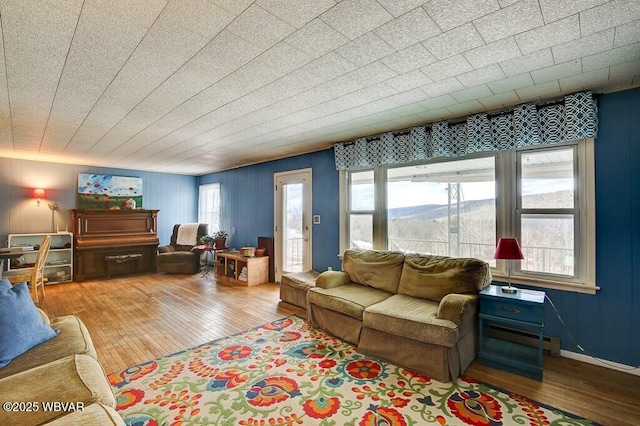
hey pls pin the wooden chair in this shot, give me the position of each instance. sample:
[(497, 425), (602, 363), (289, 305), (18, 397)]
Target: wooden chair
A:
[(34, 276)]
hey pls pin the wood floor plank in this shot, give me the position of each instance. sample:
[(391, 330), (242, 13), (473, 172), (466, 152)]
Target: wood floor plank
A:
[(139, 318)]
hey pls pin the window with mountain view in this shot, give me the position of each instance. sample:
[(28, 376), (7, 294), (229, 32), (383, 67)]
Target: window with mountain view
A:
[(460, 207), (446, 208)]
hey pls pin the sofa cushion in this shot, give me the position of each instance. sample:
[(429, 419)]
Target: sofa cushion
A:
[(77, 379), (74, 338), (433, 277), (178, 257), (21, 325), (374, 268), (411, 317), (349, 299)]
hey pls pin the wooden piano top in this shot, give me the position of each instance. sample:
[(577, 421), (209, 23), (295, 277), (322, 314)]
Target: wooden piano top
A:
[(94, 228)]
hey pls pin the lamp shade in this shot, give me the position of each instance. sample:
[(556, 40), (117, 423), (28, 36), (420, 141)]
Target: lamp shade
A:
[(39, 193), (508, 248)]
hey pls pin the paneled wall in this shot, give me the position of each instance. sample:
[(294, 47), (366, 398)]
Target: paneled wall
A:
[(248, 203), (176, 196)]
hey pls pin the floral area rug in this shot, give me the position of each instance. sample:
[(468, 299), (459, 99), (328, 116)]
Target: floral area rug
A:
[(284, 373)]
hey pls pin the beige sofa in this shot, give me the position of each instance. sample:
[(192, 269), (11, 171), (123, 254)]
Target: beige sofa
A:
[(65, 370), (416, 311)]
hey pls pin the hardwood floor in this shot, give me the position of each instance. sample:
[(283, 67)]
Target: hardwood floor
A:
[(139, 318)]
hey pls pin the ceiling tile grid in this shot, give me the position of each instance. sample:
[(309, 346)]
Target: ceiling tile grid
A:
[(158, 84)]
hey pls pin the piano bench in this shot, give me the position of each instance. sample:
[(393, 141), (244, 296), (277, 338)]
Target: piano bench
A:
[(120, 259)]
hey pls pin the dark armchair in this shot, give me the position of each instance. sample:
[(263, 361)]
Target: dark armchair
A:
[(178, 257)]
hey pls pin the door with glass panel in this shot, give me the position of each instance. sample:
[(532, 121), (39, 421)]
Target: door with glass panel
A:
[(292, 222)]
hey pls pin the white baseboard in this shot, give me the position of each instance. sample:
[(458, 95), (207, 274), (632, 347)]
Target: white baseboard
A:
[(601, 362)]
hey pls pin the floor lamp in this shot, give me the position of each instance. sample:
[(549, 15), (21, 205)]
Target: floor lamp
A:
[(508, 249)]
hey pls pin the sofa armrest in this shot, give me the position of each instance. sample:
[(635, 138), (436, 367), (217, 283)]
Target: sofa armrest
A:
[(331, 279), (166, 249), (44, 316), (455, 307)]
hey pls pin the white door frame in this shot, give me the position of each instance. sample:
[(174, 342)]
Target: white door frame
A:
[(303, 175)]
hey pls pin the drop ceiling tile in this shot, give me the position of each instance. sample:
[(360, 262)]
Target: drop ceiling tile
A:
[(549, 35), (199, 16), (627, 33), (442, 87), (449, 67), (409, 109), (400, 7), (554, 10), (449, 14), (6, 136), (438, 102), (436, 115), (477, 92), (586, 46), (354, 18), (234, 6), (454, 41), (608, 16), (296, 12), (408, 81), (316, 38), (327, 67), (283, 58), (466, 108), (493, 53), (515, 19), (629, 53), (372, 73), (575, 83), (260, 27), (525, 63), (408, 29), (622, 74), (481, 76), (365, 49), (538, 92), (511, 83), (555, 72), (408, 97), (500, 101), (409, 59)]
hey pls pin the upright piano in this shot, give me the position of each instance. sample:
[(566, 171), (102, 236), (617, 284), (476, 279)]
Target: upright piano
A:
[(100, 234)]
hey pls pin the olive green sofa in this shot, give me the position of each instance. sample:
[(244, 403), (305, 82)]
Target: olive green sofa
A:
[(416, 311)]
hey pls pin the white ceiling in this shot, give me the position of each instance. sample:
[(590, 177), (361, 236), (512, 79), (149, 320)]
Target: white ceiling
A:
[(196, 86)]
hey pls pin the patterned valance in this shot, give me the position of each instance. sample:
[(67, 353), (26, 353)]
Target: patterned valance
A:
[(574, 117)]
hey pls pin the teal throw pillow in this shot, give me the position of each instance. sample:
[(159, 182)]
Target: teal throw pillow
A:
[(21, 325)]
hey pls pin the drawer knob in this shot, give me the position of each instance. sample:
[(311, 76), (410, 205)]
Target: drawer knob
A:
[(513, 311)]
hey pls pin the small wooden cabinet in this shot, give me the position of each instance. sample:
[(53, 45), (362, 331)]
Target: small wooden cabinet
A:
[(58, 266), (231, 263), (524, 311)]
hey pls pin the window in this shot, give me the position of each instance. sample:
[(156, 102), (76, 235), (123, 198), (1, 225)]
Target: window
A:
[(459, 207), (446, 208), (209, 205)]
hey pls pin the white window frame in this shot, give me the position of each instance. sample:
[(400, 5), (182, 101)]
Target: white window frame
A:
[(506, 217), (206, 214)]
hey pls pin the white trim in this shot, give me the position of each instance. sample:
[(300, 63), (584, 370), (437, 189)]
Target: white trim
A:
[(601, 362)]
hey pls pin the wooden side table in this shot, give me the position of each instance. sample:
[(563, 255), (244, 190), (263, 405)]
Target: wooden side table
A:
[(524, 311), (232, 262)]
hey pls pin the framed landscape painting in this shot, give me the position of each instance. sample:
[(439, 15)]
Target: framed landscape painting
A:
[(108, 192)]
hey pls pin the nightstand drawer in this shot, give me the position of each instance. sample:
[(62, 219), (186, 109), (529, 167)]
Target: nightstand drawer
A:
[(508, 309)]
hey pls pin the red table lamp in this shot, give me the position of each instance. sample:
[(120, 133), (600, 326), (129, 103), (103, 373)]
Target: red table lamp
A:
[(508, 249)]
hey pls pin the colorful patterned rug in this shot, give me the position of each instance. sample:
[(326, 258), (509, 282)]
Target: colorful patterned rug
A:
[(284, 373)]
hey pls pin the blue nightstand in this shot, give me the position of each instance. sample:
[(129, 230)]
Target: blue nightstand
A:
[(523, 310)]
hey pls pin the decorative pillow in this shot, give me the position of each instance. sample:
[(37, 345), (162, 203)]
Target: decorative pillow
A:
[(374, 268), (21, 326), (5, 284)]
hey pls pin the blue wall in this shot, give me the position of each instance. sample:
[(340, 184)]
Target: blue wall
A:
[(176, 196), (247, 203), (606, 325)]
